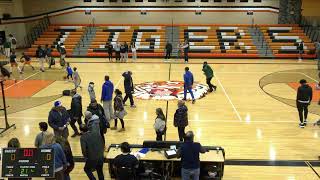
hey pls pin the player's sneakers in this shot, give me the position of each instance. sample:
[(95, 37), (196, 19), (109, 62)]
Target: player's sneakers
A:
[(133, 106), (302, 125), (193, 101)]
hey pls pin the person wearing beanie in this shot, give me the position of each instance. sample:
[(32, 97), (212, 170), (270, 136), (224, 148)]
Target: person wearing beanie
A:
[(59, 120), (304, 98), (91, 91), (76, 113)]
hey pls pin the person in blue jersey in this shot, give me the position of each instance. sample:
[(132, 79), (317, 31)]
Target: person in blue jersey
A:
[(188, 83)]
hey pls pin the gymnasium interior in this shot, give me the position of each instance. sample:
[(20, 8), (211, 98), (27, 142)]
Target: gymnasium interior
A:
[(249, 124)]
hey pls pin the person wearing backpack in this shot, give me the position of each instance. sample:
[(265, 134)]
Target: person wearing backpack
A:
[(41, 55), (119, 111), (13, 42)]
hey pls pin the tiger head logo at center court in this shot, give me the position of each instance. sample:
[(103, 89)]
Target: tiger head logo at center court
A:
[(167, 90)]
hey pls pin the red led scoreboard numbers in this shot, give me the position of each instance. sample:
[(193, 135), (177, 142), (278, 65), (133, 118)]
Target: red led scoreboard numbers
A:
[(27, 162)]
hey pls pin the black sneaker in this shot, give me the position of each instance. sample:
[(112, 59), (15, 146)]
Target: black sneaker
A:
[(193, 101), (183, 99), (301, 125)]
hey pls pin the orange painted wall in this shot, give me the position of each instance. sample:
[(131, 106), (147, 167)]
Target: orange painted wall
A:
[(311, 7)]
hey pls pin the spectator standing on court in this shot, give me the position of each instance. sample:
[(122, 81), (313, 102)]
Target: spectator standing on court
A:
[(160, 124), (14, 63), (41, 55), (168, 51), (48, 51), (208, 72), (27, 61), (96, 109), (60, 160), (119, 111), (13, 42), (122, 52), (301, 50), (91, 91), (190, 157), (76, 113), (179, 50), (39, 138), (181, 119), (7, 48), (92, 148), (188, 83), (117, 51), (186, 51), (64, 143), (76, 79), (59, 120), (126, 47), (304, 98), (134, 51), (128, 88), (109, 49), (106, 98)]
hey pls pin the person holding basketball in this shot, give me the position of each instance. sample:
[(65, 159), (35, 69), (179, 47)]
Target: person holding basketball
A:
[(26, 61)]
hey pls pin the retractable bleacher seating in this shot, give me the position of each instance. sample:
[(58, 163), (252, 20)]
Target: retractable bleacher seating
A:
[(150, 40), (218, 41), (68, 35), (284, 41)]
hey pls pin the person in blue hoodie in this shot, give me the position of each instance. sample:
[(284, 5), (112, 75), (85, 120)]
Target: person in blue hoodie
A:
[(106, 98), (188, 82)]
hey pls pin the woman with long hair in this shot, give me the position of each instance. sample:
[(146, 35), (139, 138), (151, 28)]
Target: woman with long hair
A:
[(160, 124), (60, 161)]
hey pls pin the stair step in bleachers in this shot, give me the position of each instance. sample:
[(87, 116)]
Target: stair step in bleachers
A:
[(67, 35), (284, 41), (148, 39), (218, 40)]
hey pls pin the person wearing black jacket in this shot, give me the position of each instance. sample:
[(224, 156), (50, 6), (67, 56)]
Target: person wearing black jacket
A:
[(301, 50), (168, 51), (110, 49), (128, 88), (76, 113), (96, 109), (181, 119), (304, 98)]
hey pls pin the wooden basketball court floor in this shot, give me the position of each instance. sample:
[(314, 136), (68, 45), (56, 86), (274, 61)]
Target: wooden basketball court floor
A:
[(260, 134)]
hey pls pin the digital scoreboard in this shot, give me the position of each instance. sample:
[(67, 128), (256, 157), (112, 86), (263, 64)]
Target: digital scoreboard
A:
[(27, 162)]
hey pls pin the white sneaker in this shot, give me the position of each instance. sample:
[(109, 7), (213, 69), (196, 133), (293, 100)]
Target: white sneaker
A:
[(301, 125)]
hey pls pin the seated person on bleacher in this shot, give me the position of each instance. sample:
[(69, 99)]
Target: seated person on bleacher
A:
[(190, 160), (125, 160)]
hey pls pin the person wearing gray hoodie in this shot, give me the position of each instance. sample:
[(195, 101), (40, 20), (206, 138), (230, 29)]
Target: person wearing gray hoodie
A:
[(92, 148)]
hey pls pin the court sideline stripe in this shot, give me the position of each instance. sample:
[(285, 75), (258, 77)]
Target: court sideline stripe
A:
[(309, 77), (234, 108), (310, 165), (22, 80), (167, 105)]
